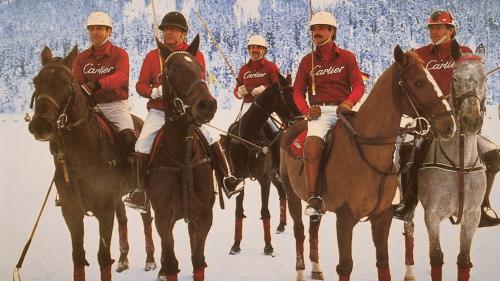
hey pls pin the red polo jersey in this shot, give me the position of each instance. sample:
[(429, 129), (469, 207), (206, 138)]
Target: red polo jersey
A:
[(107, 64), (439, 62), (256, 73), (150, 77), (337, 78)]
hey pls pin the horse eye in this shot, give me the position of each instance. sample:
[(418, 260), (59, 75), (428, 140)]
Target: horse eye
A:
[(419, 83)]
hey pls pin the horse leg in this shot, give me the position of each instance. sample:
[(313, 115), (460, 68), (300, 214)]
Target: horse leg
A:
[(282, 197), (381, 225), (148, 234), (121, 217), (409, 228), (295, 209), (74, 221), (169, 264), (435, 253), (106, 219), (198, 232), (467, 229), (316, 272), (345, 225), (238, 224), (265, 186)]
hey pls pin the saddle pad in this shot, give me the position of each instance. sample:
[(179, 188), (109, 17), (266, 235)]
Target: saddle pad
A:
[(297, 145), (107, 127)]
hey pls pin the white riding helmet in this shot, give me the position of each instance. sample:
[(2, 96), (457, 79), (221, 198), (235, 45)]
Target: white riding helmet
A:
[(99, 18), (325, 18), (257, 40)]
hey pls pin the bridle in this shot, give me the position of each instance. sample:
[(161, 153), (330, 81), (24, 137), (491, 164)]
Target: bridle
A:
[(178, 107), (62, 109)]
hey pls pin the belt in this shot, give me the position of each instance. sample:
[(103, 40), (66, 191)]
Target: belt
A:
[(326, 104)]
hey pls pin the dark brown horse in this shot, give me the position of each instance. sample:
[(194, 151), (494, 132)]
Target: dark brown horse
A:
[(181, 181), (90, 172), (251, 162), (358, 179)]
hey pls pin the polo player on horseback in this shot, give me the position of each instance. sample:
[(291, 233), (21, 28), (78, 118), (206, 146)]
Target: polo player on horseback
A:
[(336, 85), (439, 62), (174, 27), (103, 71)]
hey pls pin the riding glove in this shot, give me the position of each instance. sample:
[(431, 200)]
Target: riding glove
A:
[(157, 92), (242, 91), (344, 107), (257, 91), (313, 113), (90, 87)]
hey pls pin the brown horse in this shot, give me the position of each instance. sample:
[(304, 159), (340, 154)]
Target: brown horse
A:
[(181, 181), (358, 179), (90, 171)]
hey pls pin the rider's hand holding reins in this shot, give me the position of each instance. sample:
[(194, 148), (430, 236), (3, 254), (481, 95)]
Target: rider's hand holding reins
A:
[(257, 91), (157, 92), (90, 87), (313, 113), (344, 107), (242, 91)]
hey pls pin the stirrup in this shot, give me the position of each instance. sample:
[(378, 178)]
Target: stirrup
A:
[(137, 200), (228, 189), (312, 210), (486, 219), (57, 201)]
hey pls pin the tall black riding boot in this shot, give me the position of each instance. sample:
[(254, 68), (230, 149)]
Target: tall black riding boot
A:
[(137, 198), (409, 186), (230, 184), (492, 162), (313, 148), (126, 141)]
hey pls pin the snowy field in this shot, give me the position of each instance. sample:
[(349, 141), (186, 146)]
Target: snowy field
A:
[(26, 170)]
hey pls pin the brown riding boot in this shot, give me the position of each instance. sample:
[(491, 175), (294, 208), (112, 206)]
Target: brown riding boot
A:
[(313, 148), (230, 184), (492, 161), (137, 198)]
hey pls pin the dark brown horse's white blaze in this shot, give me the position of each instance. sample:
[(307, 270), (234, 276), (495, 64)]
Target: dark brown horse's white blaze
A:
[(181, 181), (359, 178), (454, 166), (251, 162), (86, 181)]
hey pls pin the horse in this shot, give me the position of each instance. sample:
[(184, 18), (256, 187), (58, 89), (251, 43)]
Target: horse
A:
[(87, 177), (359, 180), (454, 165), (251, 162), (181, 181)]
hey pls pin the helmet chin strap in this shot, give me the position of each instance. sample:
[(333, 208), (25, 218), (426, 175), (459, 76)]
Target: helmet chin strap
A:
[(324, 43), (104, 42), (440, 41)]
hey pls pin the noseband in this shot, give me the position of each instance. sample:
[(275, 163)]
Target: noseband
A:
[(178, 107)]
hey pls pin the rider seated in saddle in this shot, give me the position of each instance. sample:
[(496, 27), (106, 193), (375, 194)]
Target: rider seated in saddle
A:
[(102, 71), (174, 27), (439, 62), (336, 85), (253, 79)]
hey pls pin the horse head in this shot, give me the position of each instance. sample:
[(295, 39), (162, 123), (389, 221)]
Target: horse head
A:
[(424, 100), (184, 90), (468, 86), (57, 97)]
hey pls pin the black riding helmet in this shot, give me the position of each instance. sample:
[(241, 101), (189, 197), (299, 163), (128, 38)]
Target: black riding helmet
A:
[(174, 19)]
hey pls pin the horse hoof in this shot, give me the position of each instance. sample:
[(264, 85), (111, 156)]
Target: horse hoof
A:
[(268, 250), (235, 250), (281, 228), (410, 278), (150, 266), (300, 276), (122, 265), (317, 275)]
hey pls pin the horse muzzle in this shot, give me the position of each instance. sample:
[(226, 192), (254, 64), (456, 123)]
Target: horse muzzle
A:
[(204, 110), (445, 128), (42, 129)]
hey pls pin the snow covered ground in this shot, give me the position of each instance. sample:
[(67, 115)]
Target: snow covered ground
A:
[(26, 170)]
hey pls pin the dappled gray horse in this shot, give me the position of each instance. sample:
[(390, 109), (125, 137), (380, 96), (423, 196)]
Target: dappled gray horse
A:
[(452, 180)]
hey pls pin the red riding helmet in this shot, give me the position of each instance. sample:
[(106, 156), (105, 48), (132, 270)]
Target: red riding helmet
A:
[(441, 17)]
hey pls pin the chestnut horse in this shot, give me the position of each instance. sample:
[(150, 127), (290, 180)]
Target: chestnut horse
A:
[(359, 179), (455, 167), (87, 177), (181, 181)]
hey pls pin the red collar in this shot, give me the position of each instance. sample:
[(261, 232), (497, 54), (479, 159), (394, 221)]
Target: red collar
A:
[(257, 63), (103, 49), (327, 51)]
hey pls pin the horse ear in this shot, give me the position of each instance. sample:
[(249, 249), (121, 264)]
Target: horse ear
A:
[(480, 50), (455, 49), (70, 59), (289, 78), (164, 51), (195, 44), (46, 55), (399, 55)]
